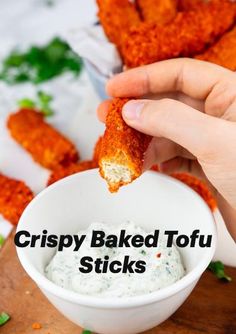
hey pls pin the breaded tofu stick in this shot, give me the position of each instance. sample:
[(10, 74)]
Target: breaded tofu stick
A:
[(222, 53), (122, 151), (46, 145), (61, 171), (97, 149), (190, 4), (155, 168), (116, 17), (187, 35), (14, 197), (157, 11), (199, 186)]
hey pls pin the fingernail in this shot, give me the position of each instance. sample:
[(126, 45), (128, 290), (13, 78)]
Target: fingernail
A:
[(132, 110)]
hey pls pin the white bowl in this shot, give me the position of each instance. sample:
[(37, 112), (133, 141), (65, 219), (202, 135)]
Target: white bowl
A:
[(153, 201)]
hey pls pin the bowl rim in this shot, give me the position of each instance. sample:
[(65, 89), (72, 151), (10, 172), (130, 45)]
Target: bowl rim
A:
[(115, 302)]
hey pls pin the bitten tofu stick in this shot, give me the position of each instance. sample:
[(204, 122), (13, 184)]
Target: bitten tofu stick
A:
[(157, 11), (46, 145), (222, 53), (61, 171), (14, 197), (122, 150)]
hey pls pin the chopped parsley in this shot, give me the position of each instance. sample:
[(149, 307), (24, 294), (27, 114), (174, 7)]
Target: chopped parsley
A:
[(85, 331), (39, 64), (218, 270), (4, 317), (2, 239), (42, 103), (49, 3)]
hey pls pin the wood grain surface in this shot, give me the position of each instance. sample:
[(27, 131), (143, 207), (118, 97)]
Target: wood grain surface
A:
[(211, 308)]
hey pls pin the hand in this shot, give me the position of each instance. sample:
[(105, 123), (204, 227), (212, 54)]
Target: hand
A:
[(189, 107)]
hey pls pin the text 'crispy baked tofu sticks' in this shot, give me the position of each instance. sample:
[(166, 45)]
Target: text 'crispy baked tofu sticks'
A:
[(122, 149), (14, 197), (46, 145)]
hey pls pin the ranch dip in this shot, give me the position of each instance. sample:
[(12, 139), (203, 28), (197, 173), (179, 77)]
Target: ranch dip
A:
[(163, 266)]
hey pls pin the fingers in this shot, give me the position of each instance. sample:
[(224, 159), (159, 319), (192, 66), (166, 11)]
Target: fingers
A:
[(178, 96), (198, 133), (182, 165), (161, 150), (102, 110), (192, 77)]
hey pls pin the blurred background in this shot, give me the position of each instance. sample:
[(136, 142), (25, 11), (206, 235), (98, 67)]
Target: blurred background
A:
[(31, 28)]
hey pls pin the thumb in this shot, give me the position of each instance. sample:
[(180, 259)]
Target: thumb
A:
[(195, 131)]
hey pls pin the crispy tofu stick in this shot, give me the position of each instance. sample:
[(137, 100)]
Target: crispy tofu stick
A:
[(199, 186), (157, 11), (46, 145), (97, 149), (222, 53), (116, 17), (61, 171), (190, 4), (187, 35), (122, 150), (14, 197)]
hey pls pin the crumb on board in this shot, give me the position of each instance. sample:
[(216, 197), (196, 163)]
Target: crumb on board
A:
[(36, 325)]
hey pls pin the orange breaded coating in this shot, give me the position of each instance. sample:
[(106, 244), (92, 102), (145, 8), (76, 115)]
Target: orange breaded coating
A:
[(46, 145), (155, 168), (122, 149), (190, 4), (116, 17), (60, 172), (199, 186), (14, 197), (157, 11), (97, 149), (222, 53), (188, 34)]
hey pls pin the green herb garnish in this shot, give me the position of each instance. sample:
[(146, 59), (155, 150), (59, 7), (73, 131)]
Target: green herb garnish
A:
[(49, 3), (26, 103), (4, 317), (2, 239), (218, 270), (39, 64), (42, 103), (85, 331)]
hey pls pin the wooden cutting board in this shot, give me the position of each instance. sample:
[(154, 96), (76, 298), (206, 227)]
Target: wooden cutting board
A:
[(211, 308)]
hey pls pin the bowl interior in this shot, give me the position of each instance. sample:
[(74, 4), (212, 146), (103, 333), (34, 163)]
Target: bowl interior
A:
[(153, 201)]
